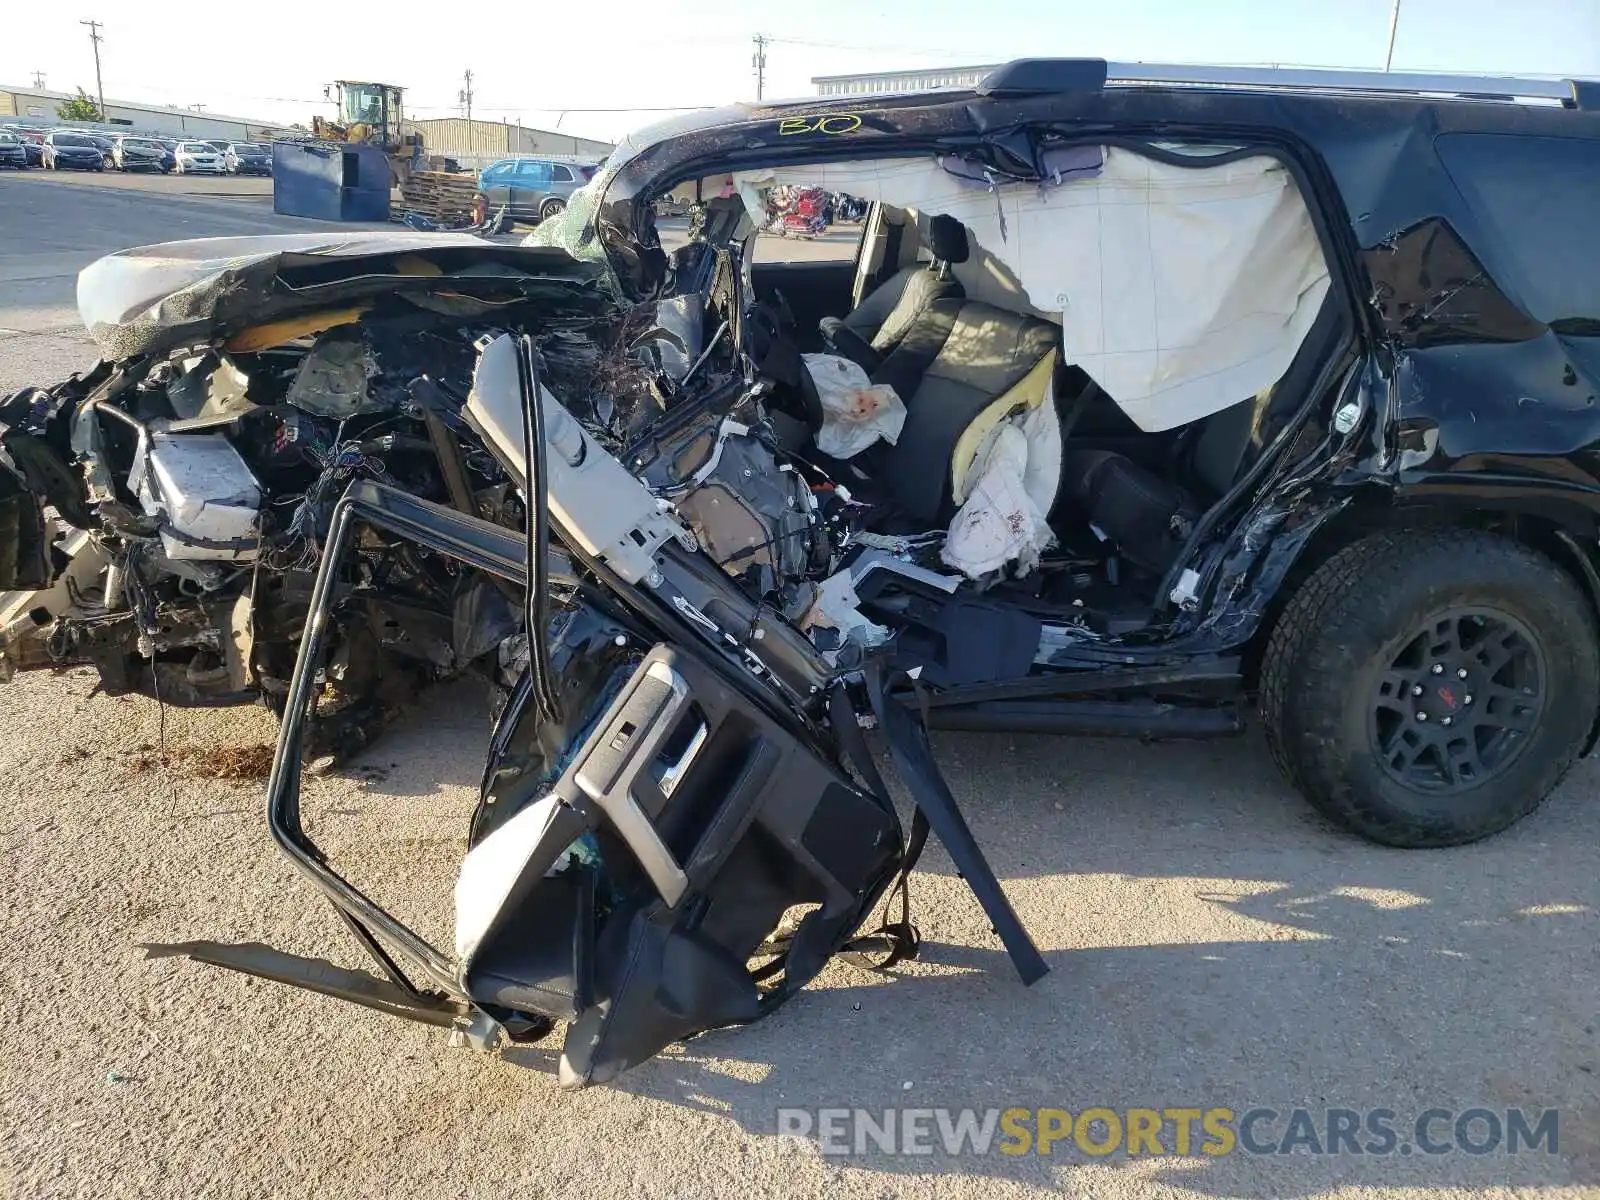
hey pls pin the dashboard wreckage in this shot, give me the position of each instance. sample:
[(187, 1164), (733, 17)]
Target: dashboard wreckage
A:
[(1087, 437)]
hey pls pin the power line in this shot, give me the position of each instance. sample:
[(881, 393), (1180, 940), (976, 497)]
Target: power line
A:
[(95, 40), (38, 81)]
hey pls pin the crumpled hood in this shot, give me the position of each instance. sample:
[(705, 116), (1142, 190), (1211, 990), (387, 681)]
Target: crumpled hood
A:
[(152, 298)]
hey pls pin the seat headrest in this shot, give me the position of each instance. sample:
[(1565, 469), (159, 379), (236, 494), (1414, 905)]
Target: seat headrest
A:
[(947, 239)]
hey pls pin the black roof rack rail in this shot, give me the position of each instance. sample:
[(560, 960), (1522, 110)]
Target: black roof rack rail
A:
[(1035, 76)]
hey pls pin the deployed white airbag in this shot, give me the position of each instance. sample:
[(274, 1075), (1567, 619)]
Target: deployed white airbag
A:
[(1000, 522), (855, 412), (1181, 290)]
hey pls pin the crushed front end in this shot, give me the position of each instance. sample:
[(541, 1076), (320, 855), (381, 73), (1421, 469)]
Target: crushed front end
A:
[(679, 822)]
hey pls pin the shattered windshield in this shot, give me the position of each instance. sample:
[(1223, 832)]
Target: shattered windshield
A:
[(574, 230)]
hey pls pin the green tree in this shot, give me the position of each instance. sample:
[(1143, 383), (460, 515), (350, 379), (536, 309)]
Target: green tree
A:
[(79, 108)]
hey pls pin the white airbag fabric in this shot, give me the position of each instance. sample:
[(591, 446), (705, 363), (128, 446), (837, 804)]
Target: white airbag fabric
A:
[(855, 411), (1181, 290), (999, 523)]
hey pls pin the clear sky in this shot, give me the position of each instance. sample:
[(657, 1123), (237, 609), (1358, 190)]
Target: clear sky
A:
[(532, 61)]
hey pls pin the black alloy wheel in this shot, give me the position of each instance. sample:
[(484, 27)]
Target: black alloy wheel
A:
[(1457, 704)]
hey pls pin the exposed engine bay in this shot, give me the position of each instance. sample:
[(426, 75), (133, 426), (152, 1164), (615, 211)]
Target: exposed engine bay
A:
[(174, 503)]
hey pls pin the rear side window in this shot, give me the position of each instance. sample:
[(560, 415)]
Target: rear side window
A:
[(559, 174), (1536, 201)]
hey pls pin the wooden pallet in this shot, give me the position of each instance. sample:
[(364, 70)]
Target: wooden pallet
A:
[(439, 194)]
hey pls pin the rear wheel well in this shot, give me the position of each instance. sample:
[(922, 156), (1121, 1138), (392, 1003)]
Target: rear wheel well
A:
[(1562, 546)]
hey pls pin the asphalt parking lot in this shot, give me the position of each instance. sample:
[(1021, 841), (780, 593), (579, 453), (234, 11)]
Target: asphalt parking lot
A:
[(1212, 944)]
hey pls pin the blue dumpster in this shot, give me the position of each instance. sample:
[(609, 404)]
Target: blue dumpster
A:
[(330, 181)]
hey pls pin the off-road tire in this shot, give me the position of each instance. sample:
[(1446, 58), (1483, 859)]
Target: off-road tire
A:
[(1340, 631)]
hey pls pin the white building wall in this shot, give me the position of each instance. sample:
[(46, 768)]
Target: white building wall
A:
[(36, 106)]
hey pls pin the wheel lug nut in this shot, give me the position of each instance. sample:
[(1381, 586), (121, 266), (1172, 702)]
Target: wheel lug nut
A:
[(1416, 689), (1461, 672), (1422, 716), (1445, 721), (1467, 699), (1438, 668)]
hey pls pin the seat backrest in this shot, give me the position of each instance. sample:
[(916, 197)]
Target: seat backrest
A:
[(1224, 440), (884, 316), (957, 359)]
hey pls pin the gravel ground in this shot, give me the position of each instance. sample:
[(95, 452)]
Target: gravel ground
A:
[(1211, 943)]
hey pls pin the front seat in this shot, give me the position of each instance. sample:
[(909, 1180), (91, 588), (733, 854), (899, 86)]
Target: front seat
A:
[(880, 322), (961, 367)]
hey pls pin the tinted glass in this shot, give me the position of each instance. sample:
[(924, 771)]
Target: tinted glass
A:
[(70, 139), (559, 174), (533, 172), (1536, 200)]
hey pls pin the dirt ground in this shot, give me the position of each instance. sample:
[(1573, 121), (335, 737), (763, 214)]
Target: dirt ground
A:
[(1211, 943)]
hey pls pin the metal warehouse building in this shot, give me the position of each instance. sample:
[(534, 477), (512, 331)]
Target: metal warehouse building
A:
[(39, 107), (880, 83), (476, 144)]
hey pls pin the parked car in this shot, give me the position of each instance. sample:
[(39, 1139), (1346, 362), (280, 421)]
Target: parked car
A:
[(169, 153), (198, 158), (532, 189), (246, 158), (32, 143), (12, 153), (220, 145), (104, 144), (68, 150), (130, 153)]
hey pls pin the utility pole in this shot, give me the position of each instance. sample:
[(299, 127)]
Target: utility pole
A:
[(759, 61), (38, 81), (1394, 25), (465, 94), (95, 39)]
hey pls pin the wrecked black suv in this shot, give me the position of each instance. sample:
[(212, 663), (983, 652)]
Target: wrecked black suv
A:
[(1145, 399)]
